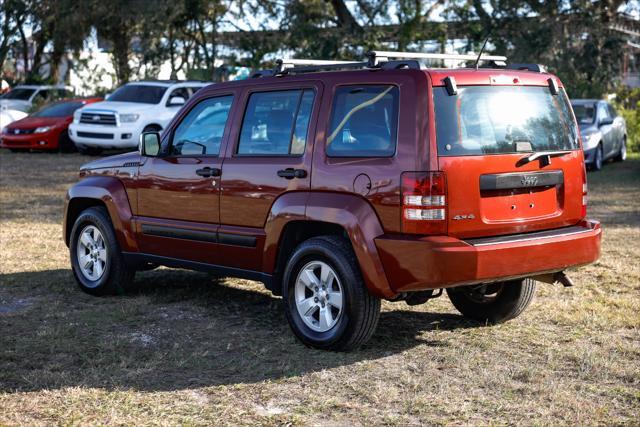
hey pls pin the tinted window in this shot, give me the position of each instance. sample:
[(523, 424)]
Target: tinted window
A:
[(181, 92), (585, 113), (144, 94), (62, 109), (201, 130), (500, 119), (276, 123), (299, 140), (43, 95), (364, 122), (612, 111), (63, 93), (23, 94)]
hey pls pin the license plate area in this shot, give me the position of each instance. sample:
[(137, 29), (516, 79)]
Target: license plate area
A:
[(520, 204)]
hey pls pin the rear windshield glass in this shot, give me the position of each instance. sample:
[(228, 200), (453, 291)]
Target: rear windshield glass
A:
[(18, 93), (585, 113), (144, 94), (499, 120), (62, 109)]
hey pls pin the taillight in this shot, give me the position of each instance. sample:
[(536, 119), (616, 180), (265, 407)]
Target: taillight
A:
[(583, 212), (424, 203)]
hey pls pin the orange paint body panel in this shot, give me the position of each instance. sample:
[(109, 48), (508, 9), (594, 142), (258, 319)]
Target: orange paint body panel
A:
[(436, 262)]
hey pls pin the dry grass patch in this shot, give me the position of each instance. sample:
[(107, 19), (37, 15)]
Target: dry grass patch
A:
[(188, 348)]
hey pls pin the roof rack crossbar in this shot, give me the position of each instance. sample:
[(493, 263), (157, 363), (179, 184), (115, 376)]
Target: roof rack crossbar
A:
[(377, 56), (288, 66)]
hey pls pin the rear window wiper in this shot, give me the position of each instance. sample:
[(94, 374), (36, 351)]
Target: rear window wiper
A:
[(544, 156)]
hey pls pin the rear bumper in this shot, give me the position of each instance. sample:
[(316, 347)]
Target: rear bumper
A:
[(442, 261)]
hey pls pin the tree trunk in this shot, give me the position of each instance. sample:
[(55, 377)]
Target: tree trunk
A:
[(121, 45)]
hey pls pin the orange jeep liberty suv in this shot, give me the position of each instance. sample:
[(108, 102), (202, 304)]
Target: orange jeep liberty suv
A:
[(338, 184)]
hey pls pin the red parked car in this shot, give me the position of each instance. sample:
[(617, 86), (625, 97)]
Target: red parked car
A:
[(45, 129), (338, 185)]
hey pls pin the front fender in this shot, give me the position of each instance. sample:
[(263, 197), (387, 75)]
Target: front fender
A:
[(351, 212), (109, 192)]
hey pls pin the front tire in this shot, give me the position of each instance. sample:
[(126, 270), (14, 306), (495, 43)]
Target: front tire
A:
[(493, 302), (96, 259), (65, 144), (325, 298), (599, 159)]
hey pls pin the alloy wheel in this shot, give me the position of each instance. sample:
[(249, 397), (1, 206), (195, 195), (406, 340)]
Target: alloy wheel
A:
[(598, 159), (319, 296), (92, 253)]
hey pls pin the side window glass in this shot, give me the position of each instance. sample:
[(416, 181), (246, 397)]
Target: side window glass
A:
[(276, 123), (602, 112), (201, 130), (180, 92), (364, 121), (43, 95), (299, 140), (612, 111)]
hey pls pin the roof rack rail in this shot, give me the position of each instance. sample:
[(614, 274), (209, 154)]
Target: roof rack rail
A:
[(377, 59), (378, 56)]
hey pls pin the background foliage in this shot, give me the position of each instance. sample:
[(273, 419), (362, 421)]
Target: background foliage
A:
[(571, 37)]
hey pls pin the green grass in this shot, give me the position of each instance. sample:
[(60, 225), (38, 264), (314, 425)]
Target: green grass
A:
[(186, 348)]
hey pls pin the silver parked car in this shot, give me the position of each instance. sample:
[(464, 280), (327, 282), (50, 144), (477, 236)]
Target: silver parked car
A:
[(604, 132)]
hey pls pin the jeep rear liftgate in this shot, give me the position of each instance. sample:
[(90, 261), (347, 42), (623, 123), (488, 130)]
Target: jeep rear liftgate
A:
[(511, 159)]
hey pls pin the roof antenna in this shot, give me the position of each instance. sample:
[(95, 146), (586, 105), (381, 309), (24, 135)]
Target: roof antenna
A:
[(482, 50)]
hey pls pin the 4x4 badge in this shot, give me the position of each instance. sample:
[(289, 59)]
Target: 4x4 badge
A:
[(459, 217), (529, 180)]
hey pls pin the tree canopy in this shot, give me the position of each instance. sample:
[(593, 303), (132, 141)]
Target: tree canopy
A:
[(572, 38)]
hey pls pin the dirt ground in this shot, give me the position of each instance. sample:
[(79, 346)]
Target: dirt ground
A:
[(187, 348)]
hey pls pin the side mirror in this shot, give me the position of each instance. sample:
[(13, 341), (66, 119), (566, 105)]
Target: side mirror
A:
[(149, 144), (176, 101), (605, 121), (107, 96)]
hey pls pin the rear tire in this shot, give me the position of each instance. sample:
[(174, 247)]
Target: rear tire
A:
[(493, 302), (96, 259), (622, 154), (325, 298)]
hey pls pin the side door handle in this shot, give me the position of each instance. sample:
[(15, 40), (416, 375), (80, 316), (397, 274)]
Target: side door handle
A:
[(208, 172), (291, 173)]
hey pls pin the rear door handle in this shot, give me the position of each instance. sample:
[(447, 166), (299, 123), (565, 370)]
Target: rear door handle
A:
[(208, 172), (291, 173)]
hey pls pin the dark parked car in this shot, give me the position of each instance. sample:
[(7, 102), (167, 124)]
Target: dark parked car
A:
[(375, 180), (604, 132)]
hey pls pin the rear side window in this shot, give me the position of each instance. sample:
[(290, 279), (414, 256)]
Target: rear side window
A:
[(276, 123), (503, 119), (364, 121)]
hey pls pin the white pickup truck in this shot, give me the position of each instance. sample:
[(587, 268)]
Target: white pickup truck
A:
[(132, 109)]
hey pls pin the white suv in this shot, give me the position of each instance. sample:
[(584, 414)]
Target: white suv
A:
[(132, 109)]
